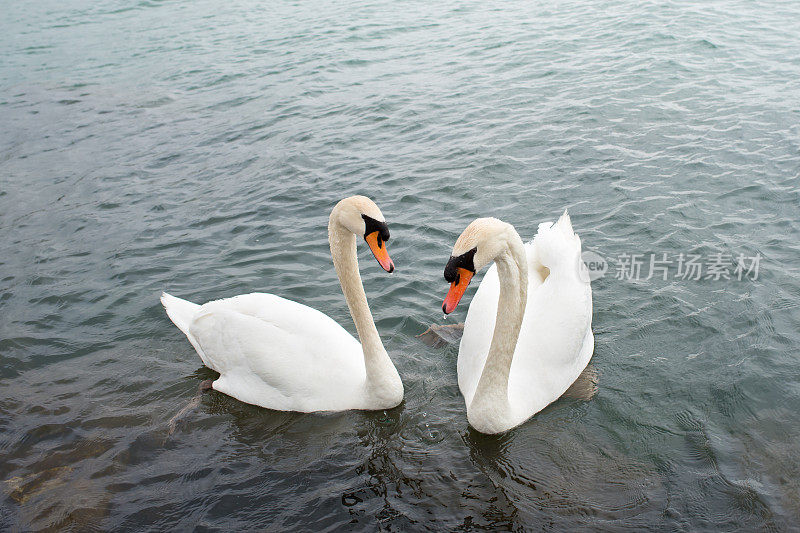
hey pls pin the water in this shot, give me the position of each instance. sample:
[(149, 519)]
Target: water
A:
[(198, 147)]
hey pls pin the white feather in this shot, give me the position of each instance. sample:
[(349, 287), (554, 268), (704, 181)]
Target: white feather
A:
[(555, 342)]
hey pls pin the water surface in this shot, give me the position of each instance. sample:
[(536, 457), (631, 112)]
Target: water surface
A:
[(199, 146)]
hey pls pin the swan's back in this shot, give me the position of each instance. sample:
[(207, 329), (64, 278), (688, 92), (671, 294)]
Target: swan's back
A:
[(275, 352)]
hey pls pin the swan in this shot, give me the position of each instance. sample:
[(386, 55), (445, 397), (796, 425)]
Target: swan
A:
[(528, 332), (283, 355)]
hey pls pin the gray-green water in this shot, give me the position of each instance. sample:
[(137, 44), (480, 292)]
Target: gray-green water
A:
[(199, 146)]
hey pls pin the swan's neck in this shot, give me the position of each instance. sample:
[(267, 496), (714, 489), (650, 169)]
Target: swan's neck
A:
[(382, 377), (491, 395)]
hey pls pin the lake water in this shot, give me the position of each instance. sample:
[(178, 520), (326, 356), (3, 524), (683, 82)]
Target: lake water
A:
[(198, 147)]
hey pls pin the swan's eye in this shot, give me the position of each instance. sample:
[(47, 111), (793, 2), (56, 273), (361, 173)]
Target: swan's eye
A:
[(376, 234), (462, 262), (371, 225)]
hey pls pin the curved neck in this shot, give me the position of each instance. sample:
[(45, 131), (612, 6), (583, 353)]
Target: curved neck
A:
[(512, 269), (343, 250)]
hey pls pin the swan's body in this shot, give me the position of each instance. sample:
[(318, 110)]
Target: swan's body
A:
[(540, 341), (283, 355)]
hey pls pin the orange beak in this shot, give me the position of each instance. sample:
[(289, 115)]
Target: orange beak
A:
[(378, 248), (456, 291)]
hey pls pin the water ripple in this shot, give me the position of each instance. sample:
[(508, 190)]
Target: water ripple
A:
[(202, 154)]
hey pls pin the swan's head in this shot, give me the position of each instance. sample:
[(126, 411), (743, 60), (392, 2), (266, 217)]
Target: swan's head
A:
[(361, 216), (482, 241)]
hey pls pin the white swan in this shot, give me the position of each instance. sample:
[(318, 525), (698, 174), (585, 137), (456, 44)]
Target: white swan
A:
[(528, 332), (283, 355)]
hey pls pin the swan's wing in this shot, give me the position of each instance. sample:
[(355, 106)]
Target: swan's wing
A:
[(479, 325), (557, 245), (553, 347), (556, 341), (279, 354)]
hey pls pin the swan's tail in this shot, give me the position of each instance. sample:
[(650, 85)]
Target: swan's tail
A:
[(180, 312), (556, 244)]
